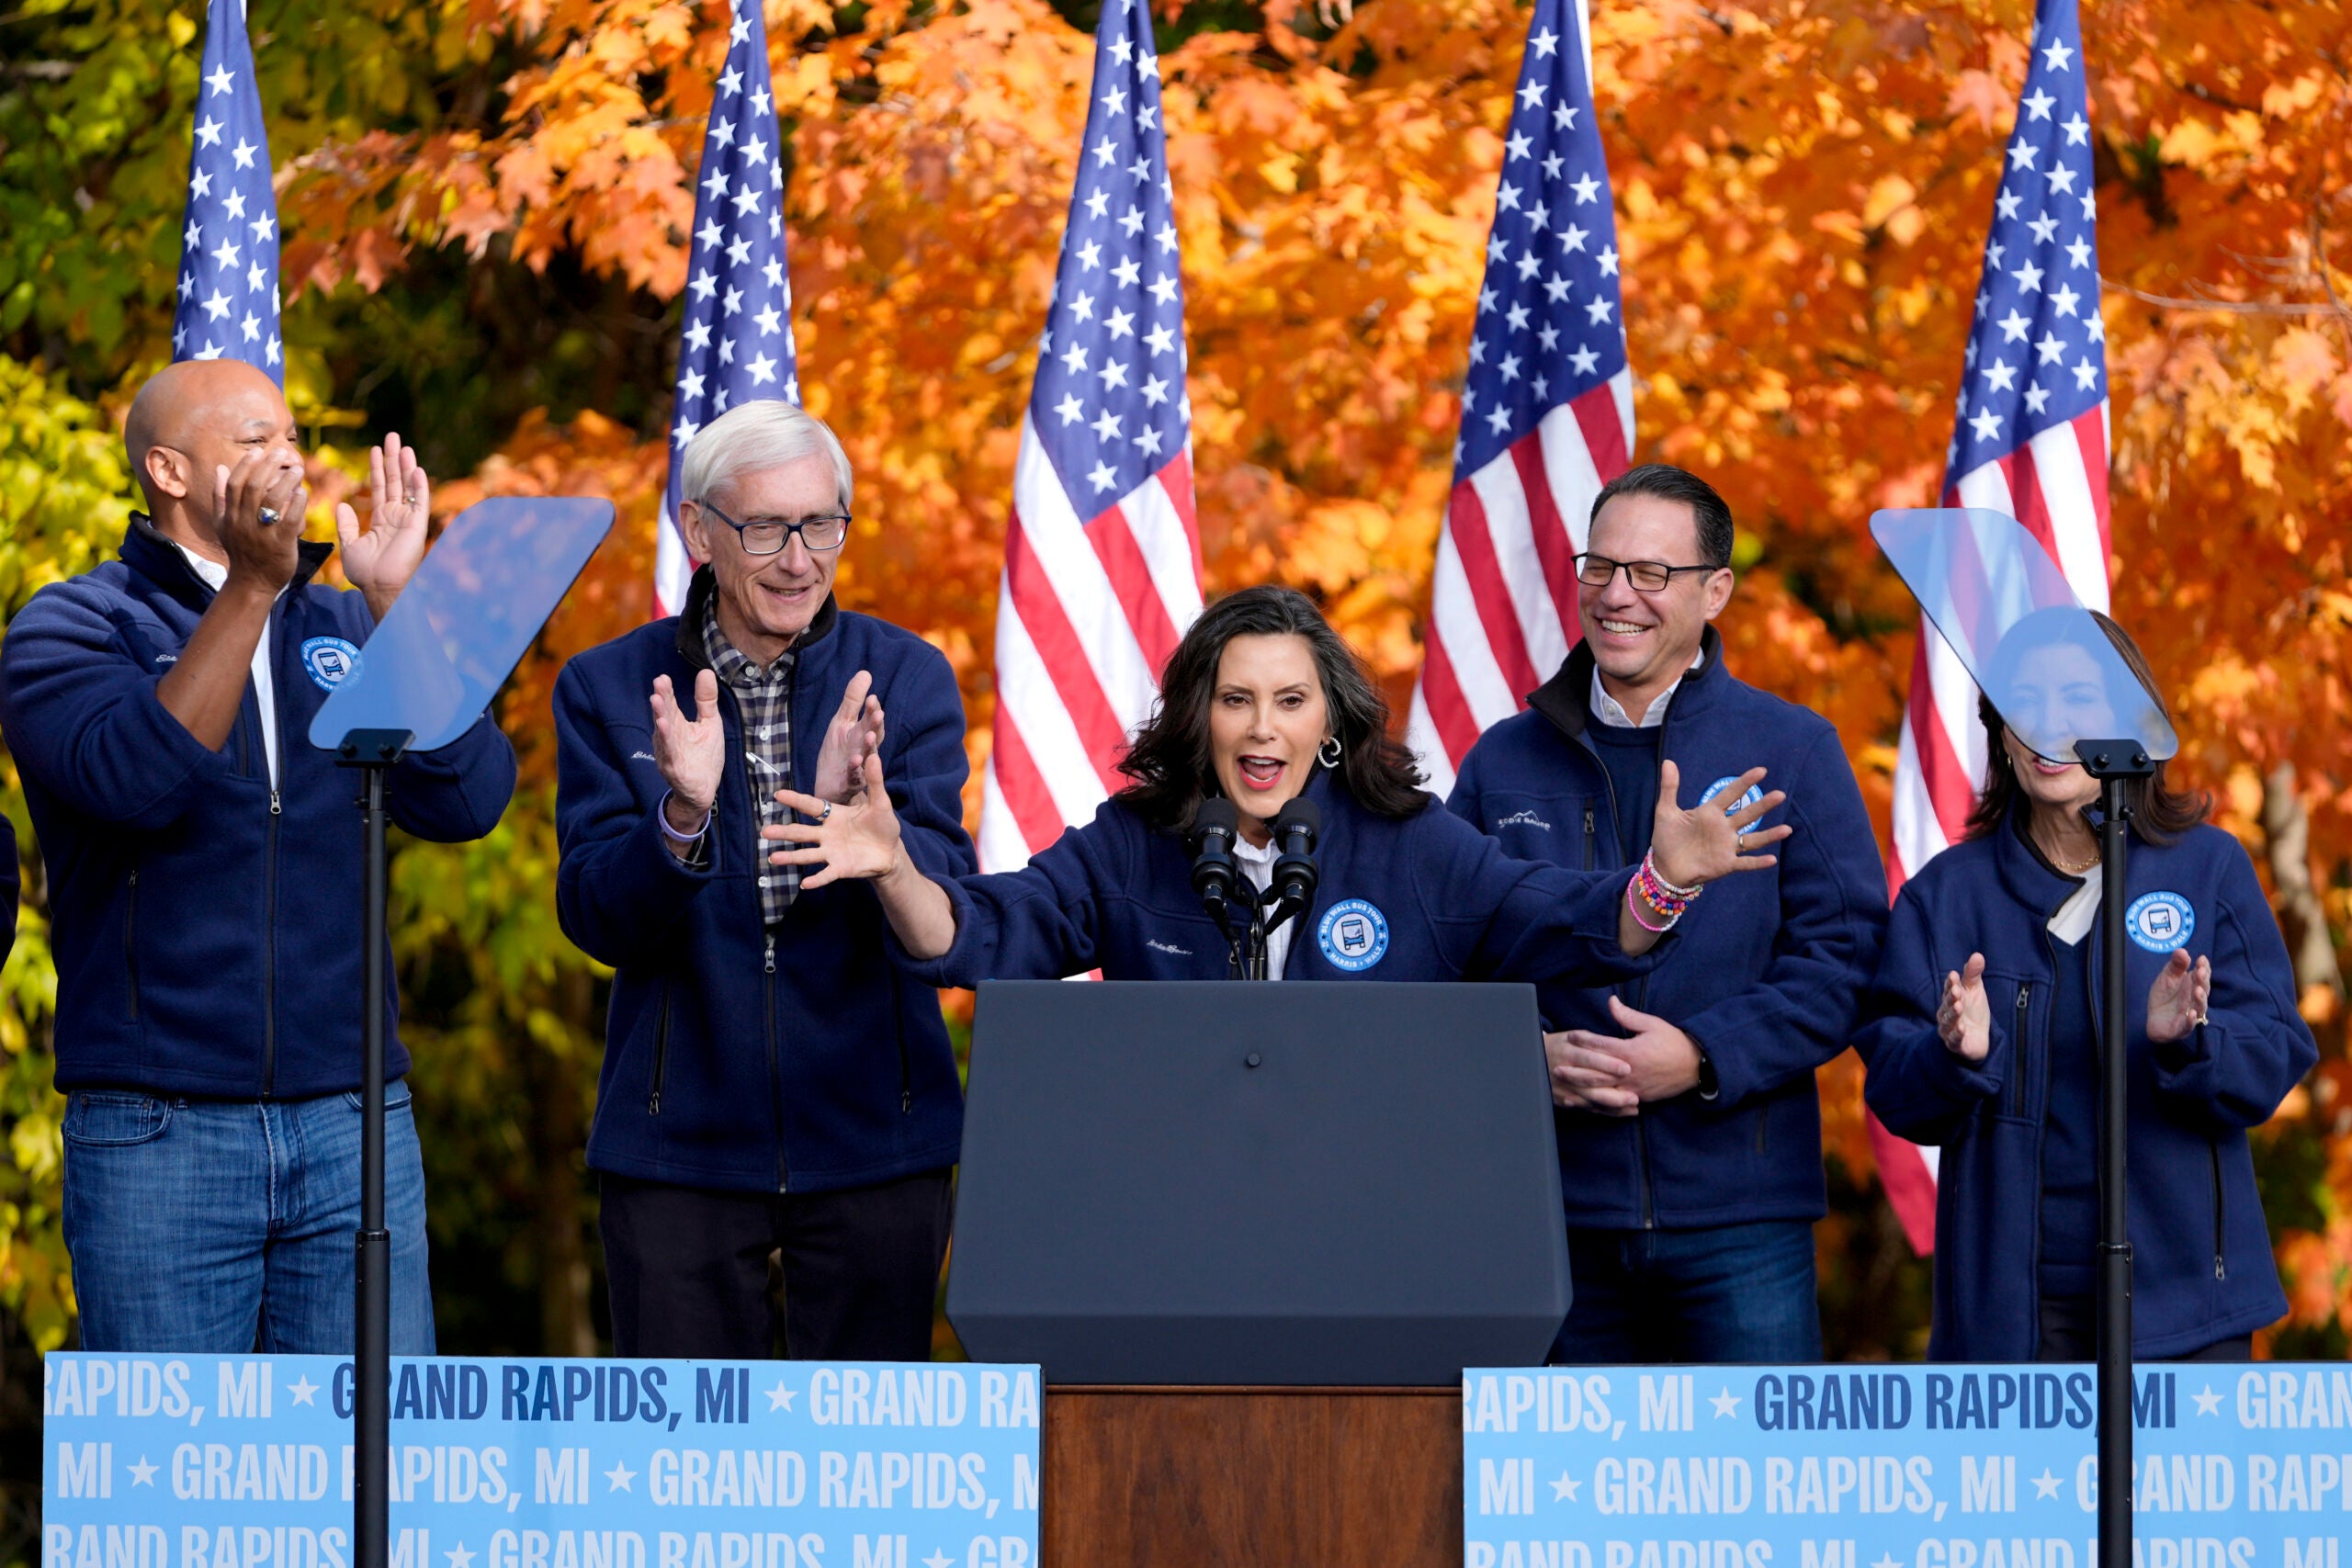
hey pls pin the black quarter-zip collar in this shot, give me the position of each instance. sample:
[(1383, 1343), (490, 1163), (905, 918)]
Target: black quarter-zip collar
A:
[(162, 561), (702, 594), (1566, 697)]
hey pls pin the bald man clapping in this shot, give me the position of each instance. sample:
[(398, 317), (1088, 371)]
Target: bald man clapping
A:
[(203, 863)]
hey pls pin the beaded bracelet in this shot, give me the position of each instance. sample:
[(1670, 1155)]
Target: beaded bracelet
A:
[(1649, 864), (1633, 907)]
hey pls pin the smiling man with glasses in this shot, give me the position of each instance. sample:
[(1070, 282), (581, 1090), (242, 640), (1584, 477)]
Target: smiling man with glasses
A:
[(773, 1085), (1689, 1130)]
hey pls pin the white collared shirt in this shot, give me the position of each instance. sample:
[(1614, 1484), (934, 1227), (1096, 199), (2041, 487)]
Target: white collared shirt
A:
[(1258, 864), (1611, 714), (215, 576)]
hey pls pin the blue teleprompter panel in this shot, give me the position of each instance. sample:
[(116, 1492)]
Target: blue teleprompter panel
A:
[(2238, 1466), (238, 1462)]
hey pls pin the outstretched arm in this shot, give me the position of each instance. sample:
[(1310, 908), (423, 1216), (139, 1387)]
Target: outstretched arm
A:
[(862, 840)]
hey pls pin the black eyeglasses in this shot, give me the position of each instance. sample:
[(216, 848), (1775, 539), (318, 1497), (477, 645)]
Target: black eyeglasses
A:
[(766, 536), (1649, 576)]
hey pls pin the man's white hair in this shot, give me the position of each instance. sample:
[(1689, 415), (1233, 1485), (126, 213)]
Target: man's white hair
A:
[(751, 437)]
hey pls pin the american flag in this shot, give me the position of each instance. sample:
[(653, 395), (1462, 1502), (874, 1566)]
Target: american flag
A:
[(1547, 411), (228, 277), (1102, 555), (736, 344), (2028, 439)]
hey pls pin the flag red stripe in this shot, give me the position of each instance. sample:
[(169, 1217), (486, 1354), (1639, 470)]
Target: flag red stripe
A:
[(1176, 478), (1059, 645), (1023, 787), (1949, 787), (1474, 544), (2032, 507), (1553, 545), (1457, 730), (1604, 436), (1131, 584), (1910, 1189), (2091, 434)]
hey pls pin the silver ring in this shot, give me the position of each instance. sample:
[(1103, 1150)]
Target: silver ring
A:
[(269, 516), (827, 814)]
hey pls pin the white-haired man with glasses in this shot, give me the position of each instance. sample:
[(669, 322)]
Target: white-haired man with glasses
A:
[(772, 1086)]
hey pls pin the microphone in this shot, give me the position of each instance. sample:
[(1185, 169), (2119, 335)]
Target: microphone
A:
[(1215, 825), (1296, 826)]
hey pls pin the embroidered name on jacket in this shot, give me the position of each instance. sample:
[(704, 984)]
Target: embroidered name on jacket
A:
[(1524, 819)]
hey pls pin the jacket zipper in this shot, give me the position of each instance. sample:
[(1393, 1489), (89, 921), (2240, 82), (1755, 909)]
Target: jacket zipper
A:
[(660, 1053), (1590, 847), (906, 1068), (2220, 1264), (776, 1074), (130, 941), (269, 907), (1641, 1135)]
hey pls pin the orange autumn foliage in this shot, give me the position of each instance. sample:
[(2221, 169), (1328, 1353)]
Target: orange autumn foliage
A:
[(1803, 190)]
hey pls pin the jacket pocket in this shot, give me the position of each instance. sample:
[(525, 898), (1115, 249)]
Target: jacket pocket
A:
[(96, 1119), (660, 1053), (2021, 1033), (130, 946)]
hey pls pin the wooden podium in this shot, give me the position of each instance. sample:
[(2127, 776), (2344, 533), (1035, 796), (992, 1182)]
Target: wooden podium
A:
[(1172, 1477)]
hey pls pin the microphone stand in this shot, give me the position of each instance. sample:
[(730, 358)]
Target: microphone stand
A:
[(2112, 763)]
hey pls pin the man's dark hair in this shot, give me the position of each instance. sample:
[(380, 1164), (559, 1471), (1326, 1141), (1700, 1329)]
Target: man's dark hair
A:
[(1669, 483), (1169, 761)]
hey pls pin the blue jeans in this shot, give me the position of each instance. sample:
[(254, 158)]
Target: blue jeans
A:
[(1725, 1293), (225, 1226)]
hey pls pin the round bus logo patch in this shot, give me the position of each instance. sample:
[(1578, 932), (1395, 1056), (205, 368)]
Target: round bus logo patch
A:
[(1755, 793), (1353, 935), (2160, 922), (329, 660)]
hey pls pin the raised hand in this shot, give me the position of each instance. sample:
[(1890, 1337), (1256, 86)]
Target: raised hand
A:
[(1699, 846), (854, 734), (859, 841), (2178, 997), (262, 554), (1586, 1076), (691, 753), (1963, 1017), (380, 561)]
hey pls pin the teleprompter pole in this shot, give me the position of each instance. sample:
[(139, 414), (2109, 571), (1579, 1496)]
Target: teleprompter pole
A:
[(373, 752), (2114, 763)]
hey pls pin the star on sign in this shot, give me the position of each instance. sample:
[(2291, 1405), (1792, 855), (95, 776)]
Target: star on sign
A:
[(302, 1389), (617, 1478), (779, 1397), (940, 1559), (1887, 1561), (459, 1556), (142, 1473), (2208, 1402), (1564, 1490), (2045, 1484), (1726, 1403)]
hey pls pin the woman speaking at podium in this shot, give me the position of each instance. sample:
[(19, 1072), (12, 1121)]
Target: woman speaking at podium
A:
[(1262, 703), (1981, 1034)]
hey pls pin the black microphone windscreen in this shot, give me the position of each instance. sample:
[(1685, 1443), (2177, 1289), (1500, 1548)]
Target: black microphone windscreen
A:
[(1214, 814), (1300, 812)]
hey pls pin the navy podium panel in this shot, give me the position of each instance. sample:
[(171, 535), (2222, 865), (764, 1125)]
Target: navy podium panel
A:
[(1221, 1183)]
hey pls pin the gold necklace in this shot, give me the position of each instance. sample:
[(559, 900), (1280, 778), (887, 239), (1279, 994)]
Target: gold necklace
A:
[(2075, 868)]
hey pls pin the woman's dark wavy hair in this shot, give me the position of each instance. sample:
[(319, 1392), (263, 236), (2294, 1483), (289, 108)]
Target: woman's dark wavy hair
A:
[(2159, 813), (1171, 762)]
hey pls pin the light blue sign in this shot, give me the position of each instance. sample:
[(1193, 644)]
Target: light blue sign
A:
[(1910, 1467), (232, 1461)]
